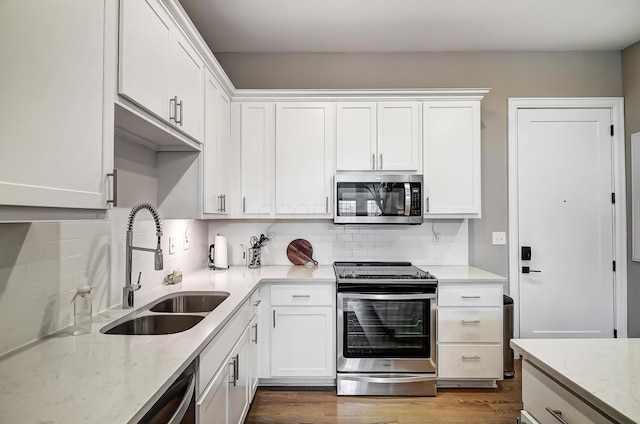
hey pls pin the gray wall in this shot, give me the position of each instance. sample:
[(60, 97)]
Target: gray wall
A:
[(507, 74), (631, 92)]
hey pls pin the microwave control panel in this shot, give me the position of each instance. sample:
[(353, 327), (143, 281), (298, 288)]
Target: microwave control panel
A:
[(416, 201)]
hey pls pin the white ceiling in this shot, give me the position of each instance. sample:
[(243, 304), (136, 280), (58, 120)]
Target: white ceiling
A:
[(415, 25)]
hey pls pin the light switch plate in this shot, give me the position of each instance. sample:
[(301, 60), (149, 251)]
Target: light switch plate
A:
[(172, 246), (499, 238)]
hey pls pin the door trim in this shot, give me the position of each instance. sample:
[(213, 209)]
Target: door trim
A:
[(616, 105)]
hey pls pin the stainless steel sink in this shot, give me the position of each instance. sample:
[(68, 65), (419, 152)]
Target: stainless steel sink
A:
[(154, 325), (190, 303)]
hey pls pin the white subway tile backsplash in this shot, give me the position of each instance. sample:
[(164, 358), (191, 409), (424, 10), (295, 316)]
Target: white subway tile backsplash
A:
[(43, 264)]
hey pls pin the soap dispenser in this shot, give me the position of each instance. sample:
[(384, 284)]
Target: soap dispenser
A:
[(82, 311)]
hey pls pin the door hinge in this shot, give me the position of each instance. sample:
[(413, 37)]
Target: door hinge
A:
[(614, 266), (613, 198), (611, 130), (615, 333)]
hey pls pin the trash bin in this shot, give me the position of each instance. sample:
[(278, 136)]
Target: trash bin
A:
[(507, 329)]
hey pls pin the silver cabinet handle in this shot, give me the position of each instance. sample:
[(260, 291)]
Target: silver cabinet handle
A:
[(326, 204), (470, 358), (471, 297), (219, 203), (274, 318), (427, 203), (114, 198), (301, 295), (373, 161), (474, 321), (380, 161), (557, 414), (224, 203), (244, 204), (237, 367), (179, 121), (232, 376), (173, 105), (255, 326)]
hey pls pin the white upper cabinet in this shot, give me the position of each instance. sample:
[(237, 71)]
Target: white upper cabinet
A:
[(304, 158), (451, 138), (56, 114), (216, 148), (159, 69), (378, 136), (257, 146)]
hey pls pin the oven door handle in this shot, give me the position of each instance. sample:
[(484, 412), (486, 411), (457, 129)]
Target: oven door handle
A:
[(376, 296), (392, 380)]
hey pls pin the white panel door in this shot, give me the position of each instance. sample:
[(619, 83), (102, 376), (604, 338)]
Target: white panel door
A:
[(356, 136), (239, 381), (566, 217), (302, 342), (213, 406), (398, 136), (56, 138), (257, 134), (451, 135), (216, 146), (187, 86), (145, 49), (304, 158)]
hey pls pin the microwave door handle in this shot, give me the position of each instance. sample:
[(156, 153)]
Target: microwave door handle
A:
[(407, 199)]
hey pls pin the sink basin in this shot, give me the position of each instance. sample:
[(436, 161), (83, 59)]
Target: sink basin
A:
[(155, 324), (190, 303)]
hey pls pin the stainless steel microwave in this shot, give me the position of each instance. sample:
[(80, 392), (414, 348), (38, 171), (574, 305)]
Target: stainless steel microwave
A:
[(378, 199)]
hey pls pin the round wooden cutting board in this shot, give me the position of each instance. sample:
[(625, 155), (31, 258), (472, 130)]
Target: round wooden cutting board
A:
[(300, 252)]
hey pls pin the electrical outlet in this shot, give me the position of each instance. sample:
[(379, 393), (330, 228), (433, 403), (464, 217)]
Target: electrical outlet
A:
[(172, 246), (499, 238), (185, 245)]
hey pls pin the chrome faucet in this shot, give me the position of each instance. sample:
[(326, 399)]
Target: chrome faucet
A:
[(129, 288)]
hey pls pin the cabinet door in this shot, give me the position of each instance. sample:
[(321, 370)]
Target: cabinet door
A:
[(257, 143), (56, 123), (239, 381), (213, 406), (187, 87), (145, 46), (254, 356), (216, 147), (304, 158), (452, 158), (302, 342), (399, 136), (356, 136)]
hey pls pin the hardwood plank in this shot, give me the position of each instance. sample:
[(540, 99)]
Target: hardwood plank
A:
[(501, 405)]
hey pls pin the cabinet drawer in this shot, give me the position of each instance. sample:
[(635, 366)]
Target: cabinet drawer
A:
[(302, 295), (469, 361), (470, 295), (540, 392), (464, 325)]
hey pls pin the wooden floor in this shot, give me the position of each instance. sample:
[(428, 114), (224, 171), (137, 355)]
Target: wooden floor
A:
[(487, 406)]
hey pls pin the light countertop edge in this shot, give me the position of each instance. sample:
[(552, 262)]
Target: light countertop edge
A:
[(600, 371)]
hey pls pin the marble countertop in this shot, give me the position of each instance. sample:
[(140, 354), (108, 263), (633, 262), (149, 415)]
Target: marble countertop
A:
[(604, 372), (97, 378)]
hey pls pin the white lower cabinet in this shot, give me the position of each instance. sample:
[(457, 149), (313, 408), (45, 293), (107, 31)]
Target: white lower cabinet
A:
[(225, 372), (548, 402), (239, 380), (301, 341), (470, 332), (297, 338)]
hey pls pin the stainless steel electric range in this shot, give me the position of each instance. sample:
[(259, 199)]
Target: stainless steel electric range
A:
[(386, 342)]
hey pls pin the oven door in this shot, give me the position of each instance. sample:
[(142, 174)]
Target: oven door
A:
[(384, 332)]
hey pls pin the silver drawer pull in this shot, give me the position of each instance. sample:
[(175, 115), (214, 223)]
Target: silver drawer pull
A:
[(470, 321), (300, 295), (470, 358), (257, 302), (557, 414), (471, 297)]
